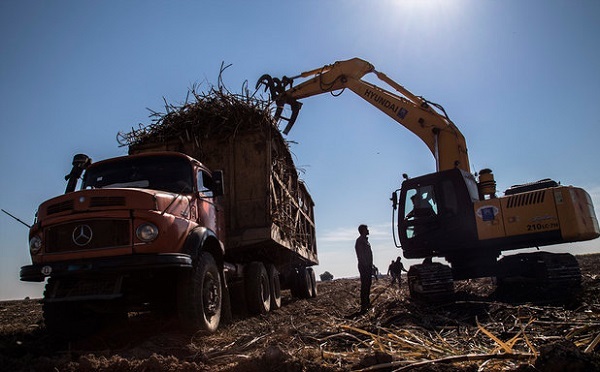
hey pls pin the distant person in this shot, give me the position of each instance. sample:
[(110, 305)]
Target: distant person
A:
[(392, 272), (375, 272), (364, 254), (396, 268)]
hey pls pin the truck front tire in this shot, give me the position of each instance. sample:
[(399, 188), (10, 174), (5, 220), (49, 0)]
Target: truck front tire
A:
[(199, 296)]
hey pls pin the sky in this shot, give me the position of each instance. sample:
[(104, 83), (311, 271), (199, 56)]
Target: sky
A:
[(520, 79)]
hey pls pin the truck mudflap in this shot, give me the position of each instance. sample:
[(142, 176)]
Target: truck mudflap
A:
[(108, 265)]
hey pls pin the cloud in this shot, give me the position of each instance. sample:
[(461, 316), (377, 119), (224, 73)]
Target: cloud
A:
[(350, 233), (337, 235)]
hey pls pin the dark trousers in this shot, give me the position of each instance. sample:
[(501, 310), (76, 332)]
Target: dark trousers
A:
[(397, 277), (365, 287)]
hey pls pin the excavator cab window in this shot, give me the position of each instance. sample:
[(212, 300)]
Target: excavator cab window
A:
[(421, 210)]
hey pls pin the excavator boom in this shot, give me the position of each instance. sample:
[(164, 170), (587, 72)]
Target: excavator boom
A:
[(436, 130)]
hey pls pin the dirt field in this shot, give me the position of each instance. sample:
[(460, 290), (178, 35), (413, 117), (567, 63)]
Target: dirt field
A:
[(478, 331)]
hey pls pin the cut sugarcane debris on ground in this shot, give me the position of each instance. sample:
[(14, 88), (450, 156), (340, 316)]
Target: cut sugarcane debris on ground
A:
[(476, 331)]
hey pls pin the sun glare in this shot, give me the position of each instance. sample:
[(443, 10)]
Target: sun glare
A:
[(429, 20), (412, 10)]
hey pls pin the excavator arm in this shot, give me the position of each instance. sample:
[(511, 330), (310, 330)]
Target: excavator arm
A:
[(442, 137)]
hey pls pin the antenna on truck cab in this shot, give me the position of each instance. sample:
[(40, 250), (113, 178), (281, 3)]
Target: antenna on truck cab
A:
[(18, 220)]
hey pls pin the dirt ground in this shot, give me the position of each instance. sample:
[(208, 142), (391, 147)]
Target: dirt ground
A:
[(480, 330)]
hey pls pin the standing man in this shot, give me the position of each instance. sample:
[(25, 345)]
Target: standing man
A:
[(365, 266)]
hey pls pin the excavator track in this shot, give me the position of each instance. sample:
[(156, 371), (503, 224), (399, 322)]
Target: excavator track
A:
[(544, 268), (544, 273), (563, 270), (431, 282)]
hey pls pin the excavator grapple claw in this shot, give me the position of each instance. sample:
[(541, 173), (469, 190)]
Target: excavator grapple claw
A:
[(268, 82), (277, 88)]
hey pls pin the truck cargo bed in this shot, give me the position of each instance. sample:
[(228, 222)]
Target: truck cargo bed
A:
[(268, 210)]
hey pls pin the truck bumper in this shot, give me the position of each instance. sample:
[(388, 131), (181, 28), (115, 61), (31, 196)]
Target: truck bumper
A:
[(109, 265)]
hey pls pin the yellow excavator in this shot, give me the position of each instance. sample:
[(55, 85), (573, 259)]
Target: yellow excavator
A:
[(453, 213)]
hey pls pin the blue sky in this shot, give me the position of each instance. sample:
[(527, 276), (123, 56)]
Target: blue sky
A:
[(519, 78)]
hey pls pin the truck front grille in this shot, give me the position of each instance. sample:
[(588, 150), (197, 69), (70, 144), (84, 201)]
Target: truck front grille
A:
[(88, 234)]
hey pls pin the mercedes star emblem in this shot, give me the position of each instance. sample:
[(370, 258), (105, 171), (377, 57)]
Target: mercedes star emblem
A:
[(82, 235)]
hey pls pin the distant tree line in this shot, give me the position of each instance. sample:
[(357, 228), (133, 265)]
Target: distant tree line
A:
[(326, 276)]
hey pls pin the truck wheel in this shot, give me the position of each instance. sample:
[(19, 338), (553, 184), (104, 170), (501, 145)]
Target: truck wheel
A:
[(313, 281), (258, 292), (275, 285), (303, 283), (199, 296), (294, 283)]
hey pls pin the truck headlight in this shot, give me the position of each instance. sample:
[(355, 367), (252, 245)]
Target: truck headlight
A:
[(146, 232), (35, 245)]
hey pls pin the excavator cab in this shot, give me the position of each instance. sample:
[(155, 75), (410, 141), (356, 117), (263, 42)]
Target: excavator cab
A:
[(435, 215)]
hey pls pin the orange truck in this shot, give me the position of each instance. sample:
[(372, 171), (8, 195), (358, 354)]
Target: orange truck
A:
[(174, 227)]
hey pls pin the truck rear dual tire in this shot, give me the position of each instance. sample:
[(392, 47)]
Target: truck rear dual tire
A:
[(258, 288), (199, 296), (305, 283), (313, 282), (275, 286), (262, 288)]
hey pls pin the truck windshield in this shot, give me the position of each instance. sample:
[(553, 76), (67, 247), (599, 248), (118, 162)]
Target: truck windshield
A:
[(172, 174)]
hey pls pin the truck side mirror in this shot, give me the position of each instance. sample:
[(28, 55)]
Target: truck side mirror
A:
[(217, 177)]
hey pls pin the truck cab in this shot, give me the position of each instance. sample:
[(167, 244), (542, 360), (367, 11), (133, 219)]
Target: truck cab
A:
[(134, 237), (143, 204)]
